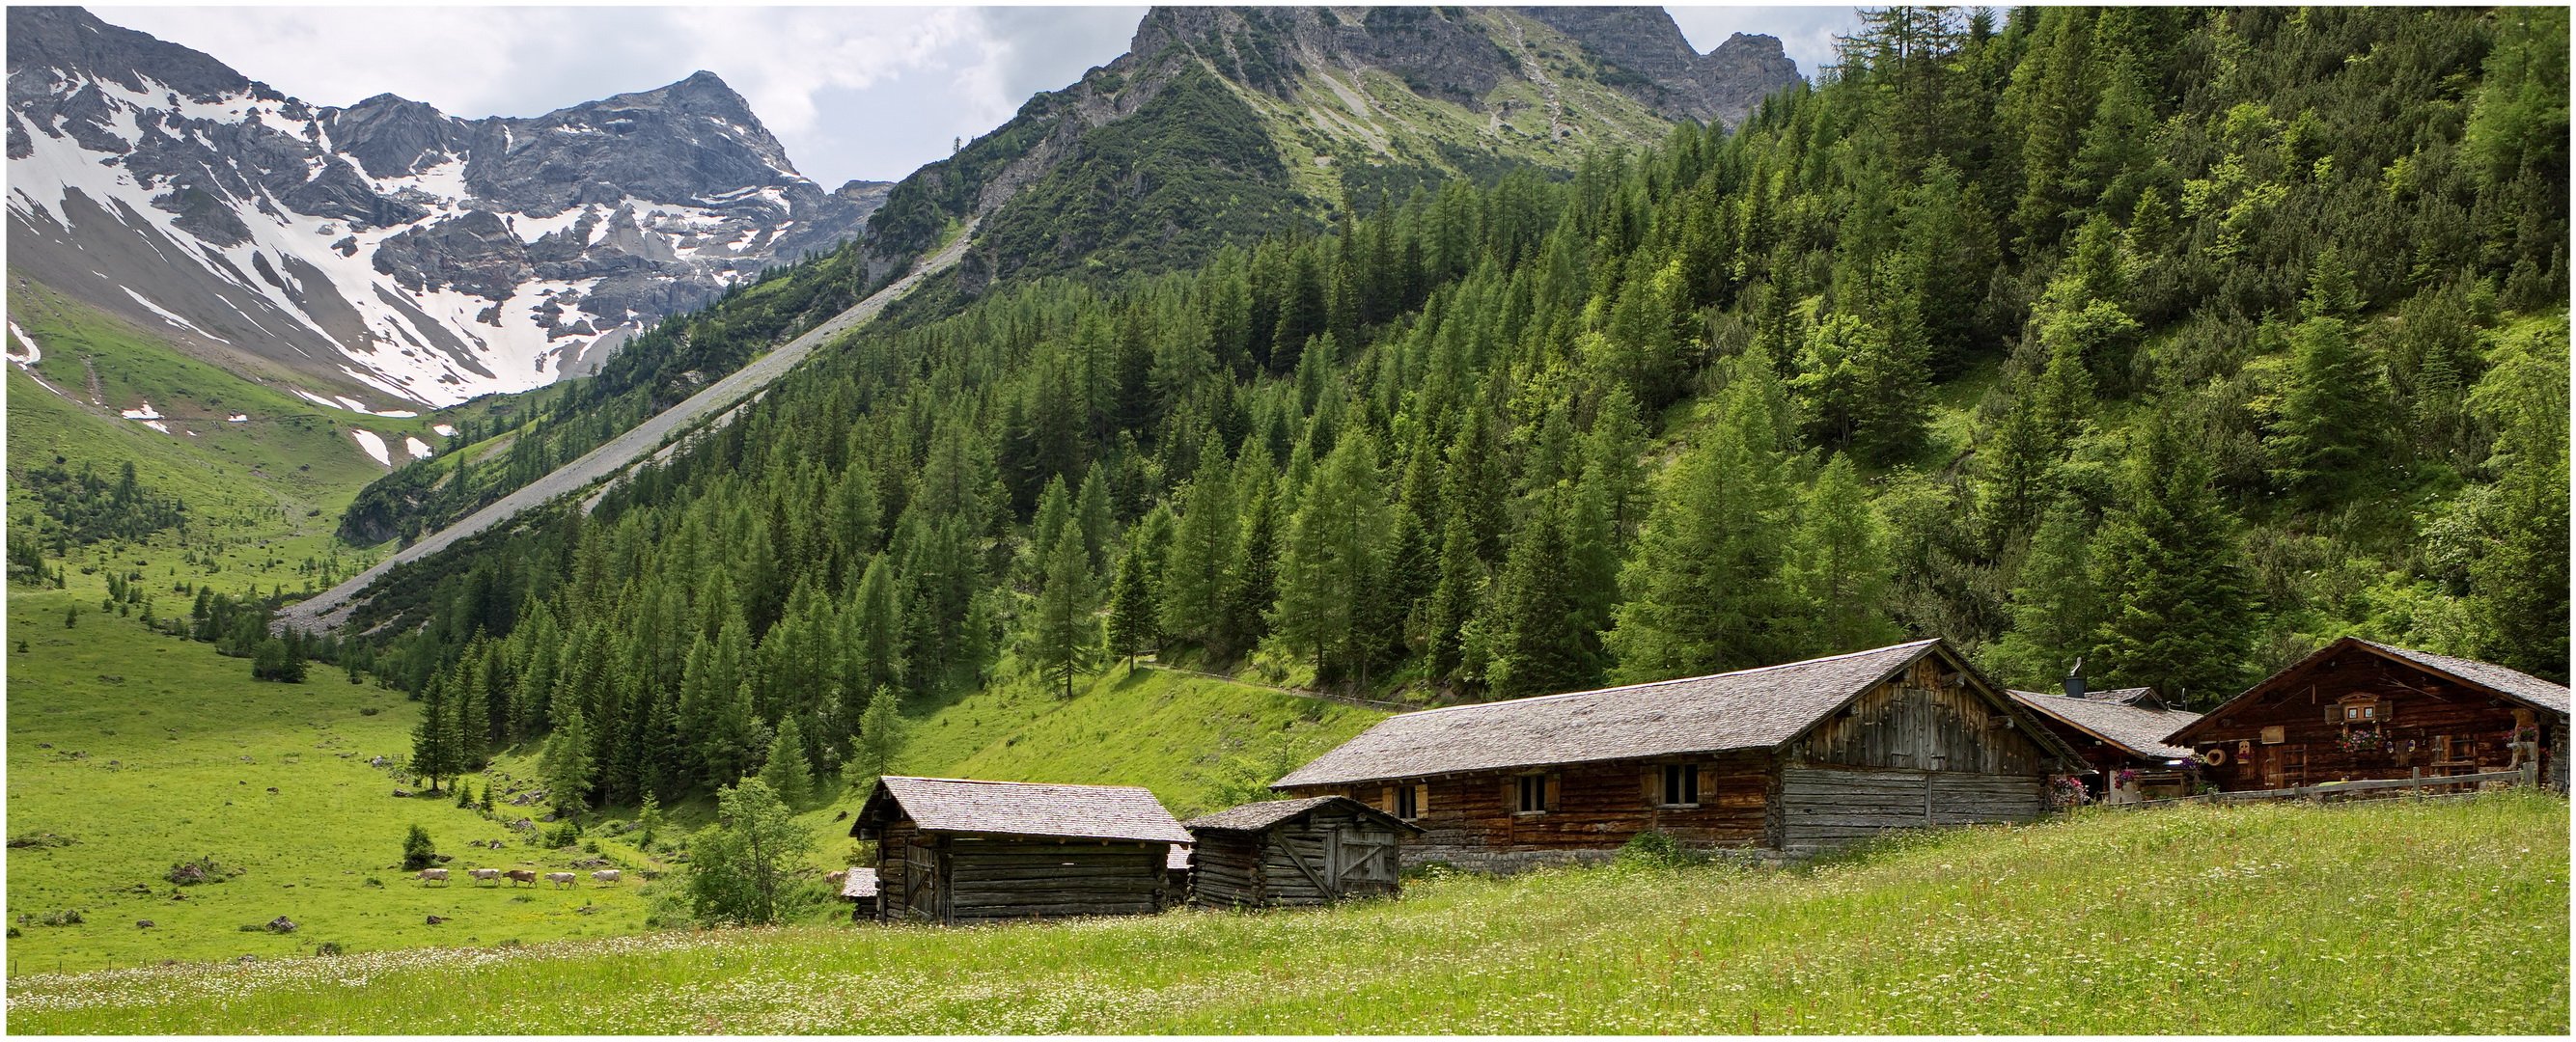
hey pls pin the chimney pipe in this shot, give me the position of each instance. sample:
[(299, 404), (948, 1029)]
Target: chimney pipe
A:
[(2075, 679)]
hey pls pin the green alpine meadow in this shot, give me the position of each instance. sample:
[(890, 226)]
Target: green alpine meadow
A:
[(2037, 520)]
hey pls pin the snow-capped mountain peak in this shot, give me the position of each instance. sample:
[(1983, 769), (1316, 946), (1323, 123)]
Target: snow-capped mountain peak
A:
[(386, 245)]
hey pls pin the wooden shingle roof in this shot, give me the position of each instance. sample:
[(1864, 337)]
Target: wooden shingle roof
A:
[(2120, 721), (1255, 817), (1747, 709), (995, 808), (2540, 693)]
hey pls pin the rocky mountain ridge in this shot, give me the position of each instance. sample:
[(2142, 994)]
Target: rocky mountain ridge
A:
[(385, 248), (1302, 110)]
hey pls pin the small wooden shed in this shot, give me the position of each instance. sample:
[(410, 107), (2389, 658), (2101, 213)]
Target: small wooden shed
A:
[(1308, 851), (2119, 733), (956, 850)]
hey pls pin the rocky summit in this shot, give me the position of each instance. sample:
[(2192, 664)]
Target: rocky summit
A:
[(385, 250)]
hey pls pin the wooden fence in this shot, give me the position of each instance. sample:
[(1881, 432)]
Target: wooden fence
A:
[(2527, 774)]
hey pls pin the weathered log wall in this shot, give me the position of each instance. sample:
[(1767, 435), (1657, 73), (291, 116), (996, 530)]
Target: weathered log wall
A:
[(1003, 878), (1595, 806), (1826, 806)]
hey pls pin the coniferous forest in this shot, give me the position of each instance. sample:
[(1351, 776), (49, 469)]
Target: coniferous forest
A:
[(2177, 341)]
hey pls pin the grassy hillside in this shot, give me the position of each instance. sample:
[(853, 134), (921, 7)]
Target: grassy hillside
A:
[(262, 494), (147, 750), (2201, 920)]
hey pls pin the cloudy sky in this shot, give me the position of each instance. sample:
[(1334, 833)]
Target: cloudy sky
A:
[(853, 92)]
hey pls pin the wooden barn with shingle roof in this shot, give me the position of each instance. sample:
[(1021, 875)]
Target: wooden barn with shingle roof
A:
[(952, 849), (1791, 757), (2117, 732), (1295, 852), (2359, 710)]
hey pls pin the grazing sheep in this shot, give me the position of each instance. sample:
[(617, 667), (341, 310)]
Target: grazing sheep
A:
[(487, 875), (606, 875), (433, 875), (561, 878), (520, 875)]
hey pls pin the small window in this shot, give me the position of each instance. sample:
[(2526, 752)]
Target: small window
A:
[(2274, 735), (1408, 801), (1681, 785), (1533, 794)]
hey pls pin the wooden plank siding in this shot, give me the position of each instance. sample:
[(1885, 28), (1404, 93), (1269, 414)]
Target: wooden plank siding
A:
[(1927, 719), (940, 878), (1594, 806)]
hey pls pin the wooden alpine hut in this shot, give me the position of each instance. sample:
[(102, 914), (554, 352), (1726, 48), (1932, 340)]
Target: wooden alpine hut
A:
[(2121, 736), (954, 850), (1309, 851), (1791, 757), (2359, 710)]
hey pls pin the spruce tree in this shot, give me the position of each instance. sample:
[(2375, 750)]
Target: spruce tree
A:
[(786, 770), (2178, 613), (1705, 586), (2331, 413), (1837, 566), (1194, 570), (1329, 560), (433, 750), (1132, 623), (1538, 641), (566, 763), (2054, 604), (1064, 633)]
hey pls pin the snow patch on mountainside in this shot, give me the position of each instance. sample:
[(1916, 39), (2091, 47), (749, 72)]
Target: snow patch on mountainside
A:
[(373, 445)]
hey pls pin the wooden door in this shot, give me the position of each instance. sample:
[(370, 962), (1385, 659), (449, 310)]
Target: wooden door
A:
[(1363, 861), (920, 881), (2276, 759)]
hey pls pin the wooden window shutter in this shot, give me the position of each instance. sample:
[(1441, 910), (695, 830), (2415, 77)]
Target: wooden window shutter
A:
[(1422, 799), (1386, 799), (2334, 713), (1552, 788), (1511, 794), (1707, 784), (1654, 785)]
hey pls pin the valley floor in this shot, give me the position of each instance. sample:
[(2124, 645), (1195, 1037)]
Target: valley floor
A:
[(2397, 917)]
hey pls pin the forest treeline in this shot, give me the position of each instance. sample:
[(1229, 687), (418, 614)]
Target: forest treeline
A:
[(2177, 341)]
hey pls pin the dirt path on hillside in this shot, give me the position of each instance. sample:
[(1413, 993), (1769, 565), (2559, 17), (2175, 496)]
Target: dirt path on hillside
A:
[(328, 610)]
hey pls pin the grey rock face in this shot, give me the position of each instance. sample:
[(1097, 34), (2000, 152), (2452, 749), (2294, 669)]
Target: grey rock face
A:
[(384, 242), (1653, 62)]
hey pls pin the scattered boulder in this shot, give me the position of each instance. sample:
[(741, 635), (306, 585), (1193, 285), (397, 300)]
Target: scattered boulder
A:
[(436, 919), (272, 790), (143, 924), (402, 794), (281, 924), (41, 841), (247, 959), (587, 910)]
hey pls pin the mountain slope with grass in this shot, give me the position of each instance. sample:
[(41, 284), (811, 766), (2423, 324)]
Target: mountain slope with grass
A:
[(2197, 920), (132, 752)]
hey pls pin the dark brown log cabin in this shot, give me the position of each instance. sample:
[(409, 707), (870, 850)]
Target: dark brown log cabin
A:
[(953, 850), (1787, 758), (1292, 853), (2119, 732), (2358, 710)]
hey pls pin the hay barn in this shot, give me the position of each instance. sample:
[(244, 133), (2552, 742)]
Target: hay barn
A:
[(955, 850), (1297, 852), (2121, 735)]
